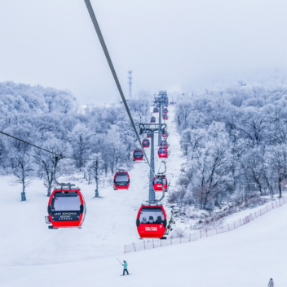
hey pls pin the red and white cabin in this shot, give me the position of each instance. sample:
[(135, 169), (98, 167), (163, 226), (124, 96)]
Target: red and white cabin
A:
[(164, 134), (121, 180), (145, 143), (163, 144), (138, 154), (158, 180), (162, 152), (66, 208), (151, 221)]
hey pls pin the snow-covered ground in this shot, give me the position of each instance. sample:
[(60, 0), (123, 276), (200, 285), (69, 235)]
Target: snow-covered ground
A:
[(31, 255), (247, 256)]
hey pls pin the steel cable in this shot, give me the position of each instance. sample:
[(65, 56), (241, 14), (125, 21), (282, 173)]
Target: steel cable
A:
[(106, 52), (38, 147), (99, 33)]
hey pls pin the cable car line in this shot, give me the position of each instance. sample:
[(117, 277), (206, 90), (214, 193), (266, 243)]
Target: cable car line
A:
[(60, 156), (38, 147), (110, 63)]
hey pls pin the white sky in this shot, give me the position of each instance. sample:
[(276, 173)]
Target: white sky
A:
[(168, 44)]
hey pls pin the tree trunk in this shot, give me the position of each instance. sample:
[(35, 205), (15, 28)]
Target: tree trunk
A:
[(49, 190), (23, 195), (279, 187)]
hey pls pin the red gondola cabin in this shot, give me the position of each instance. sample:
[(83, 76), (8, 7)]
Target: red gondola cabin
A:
[(66, 208), (151, 221), (162, 152), (149, 134), (163, 144), (155, 110), (158, 181), (153, 120), (165, 111), (121, 180), (145, 143), (164, 134), (138, 154)]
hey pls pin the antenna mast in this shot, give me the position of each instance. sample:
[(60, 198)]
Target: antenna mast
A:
[(130, 77)]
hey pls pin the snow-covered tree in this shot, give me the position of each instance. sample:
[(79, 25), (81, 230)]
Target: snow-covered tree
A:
[(22, 168)]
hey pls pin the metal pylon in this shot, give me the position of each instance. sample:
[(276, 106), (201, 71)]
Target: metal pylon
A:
[(151, 190), (159, 120)]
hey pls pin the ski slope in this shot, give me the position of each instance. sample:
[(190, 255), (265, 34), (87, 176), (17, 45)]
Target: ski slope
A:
[(31, 255), (247, 257)]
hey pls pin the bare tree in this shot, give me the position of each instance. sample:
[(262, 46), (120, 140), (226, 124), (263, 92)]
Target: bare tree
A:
[(22, 168), (95, 169), (254, 126), (278, 162), (252, 164), (48, 165)]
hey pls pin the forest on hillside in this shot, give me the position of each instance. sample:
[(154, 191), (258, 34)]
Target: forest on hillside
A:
[(95, 140), (235, 144)]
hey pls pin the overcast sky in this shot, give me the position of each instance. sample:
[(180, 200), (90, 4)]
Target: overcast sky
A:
[(169, 44)]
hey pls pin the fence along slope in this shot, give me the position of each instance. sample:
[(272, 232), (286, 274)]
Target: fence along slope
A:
[(203, 233)]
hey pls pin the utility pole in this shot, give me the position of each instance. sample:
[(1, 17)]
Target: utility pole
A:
[(130, 77)]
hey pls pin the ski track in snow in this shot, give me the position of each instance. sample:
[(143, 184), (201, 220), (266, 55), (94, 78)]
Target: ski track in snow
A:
[(31, 255)]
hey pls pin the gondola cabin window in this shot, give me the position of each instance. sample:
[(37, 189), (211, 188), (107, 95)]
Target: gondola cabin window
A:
[(160, 180), (69, 201), (122, 178), (151, 216)]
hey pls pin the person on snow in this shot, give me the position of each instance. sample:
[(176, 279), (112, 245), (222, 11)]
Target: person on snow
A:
[(125, 268), (271, 283)]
